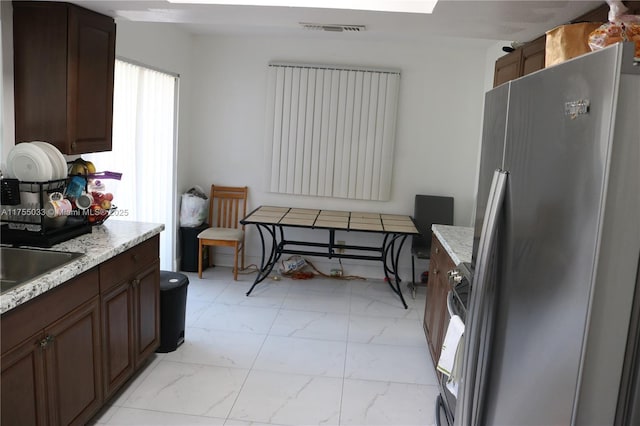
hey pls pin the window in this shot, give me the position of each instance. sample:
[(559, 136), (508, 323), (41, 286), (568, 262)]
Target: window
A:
[(331, 131), (144, 128)]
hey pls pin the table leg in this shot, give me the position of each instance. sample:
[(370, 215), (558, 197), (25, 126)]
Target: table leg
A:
[(392, 254), (266, 263)]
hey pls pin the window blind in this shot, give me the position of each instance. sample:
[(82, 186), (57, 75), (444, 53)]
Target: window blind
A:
[(331, 131)]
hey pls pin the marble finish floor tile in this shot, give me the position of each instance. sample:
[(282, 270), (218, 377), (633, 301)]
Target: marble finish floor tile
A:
[(311, 325), (389, 363), (269, 295), (249, 319), (194, 389), (289, 399), (136, 417), (386, 331), (319, 351), (302, 356), (367, 402), (383, 303), (218, 347), (317, 301)]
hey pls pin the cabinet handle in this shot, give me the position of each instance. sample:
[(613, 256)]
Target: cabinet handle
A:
[(135, 257), (73, 145), (135, 282), (437, 250), (436, 271), (46, 341)]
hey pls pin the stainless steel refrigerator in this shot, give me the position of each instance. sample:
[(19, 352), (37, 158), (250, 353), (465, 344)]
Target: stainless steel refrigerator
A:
[(552, 328)]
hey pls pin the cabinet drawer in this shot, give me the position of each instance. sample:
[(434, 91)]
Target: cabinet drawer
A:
[(125, 265), (29, 318)]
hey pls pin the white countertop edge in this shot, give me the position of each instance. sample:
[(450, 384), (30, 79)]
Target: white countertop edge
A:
[(105, 241), (456, 240)]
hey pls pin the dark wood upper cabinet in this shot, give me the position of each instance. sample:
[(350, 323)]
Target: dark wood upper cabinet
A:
[(64, 58), (531, 56), (522, 61), (508, 67)]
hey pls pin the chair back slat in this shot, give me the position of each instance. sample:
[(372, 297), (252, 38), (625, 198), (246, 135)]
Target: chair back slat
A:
[(229, 204)]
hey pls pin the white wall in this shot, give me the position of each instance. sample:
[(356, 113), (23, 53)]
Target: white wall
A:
[(222, 104), (438, 128), (7, 124)]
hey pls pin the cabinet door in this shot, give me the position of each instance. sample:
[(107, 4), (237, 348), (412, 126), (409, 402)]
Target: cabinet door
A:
[(64, 58), (40, 72), (117, 337), (73, 368), (443, 311), (146, 287), (533, 55), (433, 308), (23, 385), (430, 305), (90, 81), (508, 67)]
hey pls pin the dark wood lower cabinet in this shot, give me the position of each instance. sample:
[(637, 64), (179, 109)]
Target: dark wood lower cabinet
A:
[(436, 316), (54, 376), (73, 366), (130, 296), (131, 325), (147, 312), (23, 385), (67, 351), (117, 335)]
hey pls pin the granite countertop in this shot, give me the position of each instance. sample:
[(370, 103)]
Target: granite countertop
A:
[(456, 240), (104, 242)]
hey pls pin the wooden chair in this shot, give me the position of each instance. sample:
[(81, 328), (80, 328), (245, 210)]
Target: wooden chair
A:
[(227, 206)]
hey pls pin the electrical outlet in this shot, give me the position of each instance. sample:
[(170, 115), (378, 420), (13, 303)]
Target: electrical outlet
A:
[(340, 247)]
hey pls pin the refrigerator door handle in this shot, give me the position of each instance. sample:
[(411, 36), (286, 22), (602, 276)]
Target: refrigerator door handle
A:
[(450, 304), (470, 399)]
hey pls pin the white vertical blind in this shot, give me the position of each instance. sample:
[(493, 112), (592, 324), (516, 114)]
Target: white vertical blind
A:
[(331, 131)]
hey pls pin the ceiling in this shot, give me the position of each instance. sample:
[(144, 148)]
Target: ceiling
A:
[(515, 20)]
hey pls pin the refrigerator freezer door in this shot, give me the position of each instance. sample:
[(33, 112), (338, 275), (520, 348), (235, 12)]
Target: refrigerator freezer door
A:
[(494, 128), (479, 322), (558, 137)]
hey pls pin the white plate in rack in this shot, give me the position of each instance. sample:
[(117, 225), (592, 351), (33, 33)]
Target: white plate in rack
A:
[(58, 163), (29, 163)]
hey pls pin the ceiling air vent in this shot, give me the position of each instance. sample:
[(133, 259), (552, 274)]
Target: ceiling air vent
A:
[(336, 28)]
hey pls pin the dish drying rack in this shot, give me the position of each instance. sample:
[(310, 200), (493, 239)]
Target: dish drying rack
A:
[(24, 221)]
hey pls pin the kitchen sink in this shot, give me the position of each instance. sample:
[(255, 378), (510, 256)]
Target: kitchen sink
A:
[(19, 265)]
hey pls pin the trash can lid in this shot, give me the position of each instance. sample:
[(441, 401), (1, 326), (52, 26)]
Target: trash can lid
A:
[(170, 280)]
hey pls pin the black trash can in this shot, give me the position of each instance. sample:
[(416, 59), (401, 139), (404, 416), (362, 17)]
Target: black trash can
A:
[(189, 245), (173, 306)]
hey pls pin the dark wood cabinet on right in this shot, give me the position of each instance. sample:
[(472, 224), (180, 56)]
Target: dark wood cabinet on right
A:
[(531, 56), (436, 315), (129, 285), (522, 61), (64, 58)]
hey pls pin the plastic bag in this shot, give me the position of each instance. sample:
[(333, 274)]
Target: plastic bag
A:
[(292, 264), (193, 208), (101, 188), (620, 27)]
